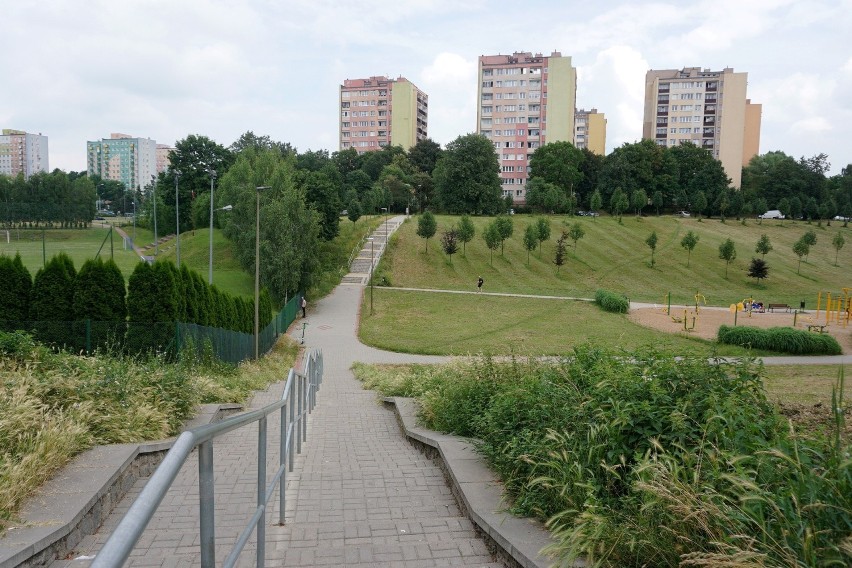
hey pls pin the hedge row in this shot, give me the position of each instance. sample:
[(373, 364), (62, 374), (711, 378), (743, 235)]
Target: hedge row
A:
[(612, 302), (781, 339), (60, 302)]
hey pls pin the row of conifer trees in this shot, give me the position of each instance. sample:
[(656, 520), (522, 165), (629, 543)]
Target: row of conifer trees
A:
[(92, 308)]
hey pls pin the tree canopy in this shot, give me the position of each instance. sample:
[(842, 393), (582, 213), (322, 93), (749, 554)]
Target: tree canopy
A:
[(467, 177)]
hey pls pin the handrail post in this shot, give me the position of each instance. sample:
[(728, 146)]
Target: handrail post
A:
[(299, 413), (206, 504), (261, 491), (282, 462), (291, 422), (306, 396)]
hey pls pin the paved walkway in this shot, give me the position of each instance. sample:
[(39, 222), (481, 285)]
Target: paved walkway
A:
[(360, 494)]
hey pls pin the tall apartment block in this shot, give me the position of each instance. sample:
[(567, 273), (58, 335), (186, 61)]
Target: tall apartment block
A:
[(590, 130), (707, 108), (524, 101), (121, 157), (378, 111), (22, 153), (163, 161)]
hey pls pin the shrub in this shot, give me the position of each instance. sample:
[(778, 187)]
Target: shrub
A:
[(780, 339), (16, 286), (612, 302), (52, 300)]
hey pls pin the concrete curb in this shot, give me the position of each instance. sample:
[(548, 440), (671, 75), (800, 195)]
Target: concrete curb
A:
[(478, 491), (75, 502)]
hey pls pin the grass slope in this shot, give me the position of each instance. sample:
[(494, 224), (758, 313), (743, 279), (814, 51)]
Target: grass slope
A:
[(615, 257)]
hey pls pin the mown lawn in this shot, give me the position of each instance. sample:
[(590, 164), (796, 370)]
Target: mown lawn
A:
[(461, 324), (615, 257)]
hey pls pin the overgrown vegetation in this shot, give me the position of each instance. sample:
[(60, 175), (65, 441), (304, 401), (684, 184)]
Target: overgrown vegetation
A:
[(638, 459), (780, 339), (54, 405), (611, 302)]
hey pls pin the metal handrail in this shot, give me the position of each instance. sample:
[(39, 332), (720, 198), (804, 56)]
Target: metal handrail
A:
[(297, 401)]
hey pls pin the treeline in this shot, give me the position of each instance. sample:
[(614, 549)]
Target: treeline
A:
[(91, 308), (643, 178), (47, 200)]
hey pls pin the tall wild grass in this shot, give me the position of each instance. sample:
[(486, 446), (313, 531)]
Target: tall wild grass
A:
[(55, 405), (638, 459)]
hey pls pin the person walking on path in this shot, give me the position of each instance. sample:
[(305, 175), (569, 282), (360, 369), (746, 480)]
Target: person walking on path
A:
[(304, 308), (479, 284)]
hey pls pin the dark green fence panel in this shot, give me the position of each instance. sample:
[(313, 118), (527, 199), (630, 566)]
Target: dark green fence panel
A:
[(168, 338)]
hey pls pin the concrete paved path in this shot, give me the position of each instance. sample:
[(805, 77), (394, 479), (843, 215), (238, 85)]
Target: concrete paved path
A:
[(360, 494)]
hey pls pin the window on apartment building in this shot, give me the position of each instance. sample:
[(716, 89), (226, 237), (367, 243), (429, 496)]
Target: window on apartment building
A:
[(383, 113), (485, 122), (383, 93), (487, 72), (383, 123), (521, 132), (345, 135), (662, 108), (684, 130), (345, 125), (522, 107), (535, 132), (535, 70), (344, 105), (486, 133), (487, 84), (487, 96), (509, 108), (345, 113), (661, 141), (344, 95), (507, 168), (661, 131)]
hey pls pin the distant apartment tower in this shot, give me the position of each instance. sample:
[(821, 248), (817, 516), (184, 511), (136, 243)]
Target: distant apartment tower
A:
[(22, 153), (121, 157), (378, 111), (524, 101), (163, 161), (590, 130), (707, 108)]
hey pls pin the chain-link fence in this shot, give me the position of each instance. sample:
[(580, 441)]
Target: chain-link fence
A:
[(171, 338)]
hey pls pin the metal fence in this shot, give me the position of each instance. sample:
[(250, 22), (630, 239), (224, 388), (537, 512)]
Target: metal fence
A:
[(296, 403), (171, 338)]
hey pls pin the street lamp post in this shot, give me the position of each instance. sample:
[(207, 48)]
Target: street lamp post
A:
[(212, 180), (385, 211), (257, 270), (154, 192), (371, 274), (177, 217)]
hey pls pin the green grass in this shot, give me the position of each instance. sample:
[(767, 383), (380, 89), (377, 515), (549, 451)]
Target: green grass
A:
[(615, 257), (461, 324)]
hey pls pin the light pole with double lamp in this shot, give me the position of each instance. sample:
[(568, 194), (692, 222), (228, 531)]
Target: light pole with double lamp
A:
[(258, 189), (154, 193), (177, 217), (210, 270), (371, 274)]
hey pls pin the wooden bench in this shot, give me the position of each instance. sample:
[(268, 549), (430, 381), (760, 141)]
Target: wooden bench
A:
[(773, 307), (817, 327)]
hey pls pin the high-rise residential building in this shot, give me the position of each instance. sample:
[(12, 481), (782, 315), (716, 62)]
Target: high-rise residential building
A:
[(121, 157), (524, 101), (163, 161), (707, 108), (22, 153), (590, 130), (378, 111)]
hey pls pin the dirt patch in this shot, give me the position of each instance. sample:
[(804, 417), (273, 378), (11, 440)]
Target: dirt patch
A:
[(705, 324)]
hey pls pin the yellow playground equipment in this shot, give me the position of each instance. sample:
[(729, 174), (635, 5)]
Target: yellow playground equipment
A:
[(689, 319), (836, 310)]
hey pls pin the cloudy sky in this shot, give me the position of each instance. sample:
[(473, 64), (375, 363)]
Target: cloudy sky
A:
[(163, 69)]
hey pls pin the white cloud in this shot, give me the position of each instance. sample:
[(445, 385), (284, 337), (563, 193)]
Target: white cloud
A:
[(451, 81)]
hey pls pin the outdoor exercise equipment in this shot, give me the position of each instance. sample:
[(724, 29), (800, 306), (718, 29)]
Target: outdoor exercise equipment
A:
[(837, 310)]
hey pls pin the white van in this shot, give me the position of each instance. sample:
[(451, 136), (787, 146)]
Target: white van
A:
[(772, 214)]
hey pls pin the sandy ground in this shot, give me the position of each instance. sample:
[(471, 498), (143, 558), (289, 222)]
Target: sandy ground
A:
[(709, 319)]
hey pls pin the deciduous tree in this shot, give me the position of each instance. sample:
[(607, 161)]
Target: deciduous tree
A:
[(467, 177), (576, 232), (426, 227), (728, 253), (763, 246), (506, 228), (449, 242), (689, 240), (530, 240), (465, 232), (491, 236), (837, 242), (651, 241)]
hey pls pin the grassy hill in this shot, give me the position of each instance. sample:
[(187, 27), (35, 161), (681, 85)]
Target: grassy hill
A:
[(615, 257)]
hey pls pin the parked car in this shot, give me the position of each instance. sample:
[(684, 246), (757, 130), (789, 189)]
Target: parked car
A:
[(842, 218), (772, 214), (683, 214)]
